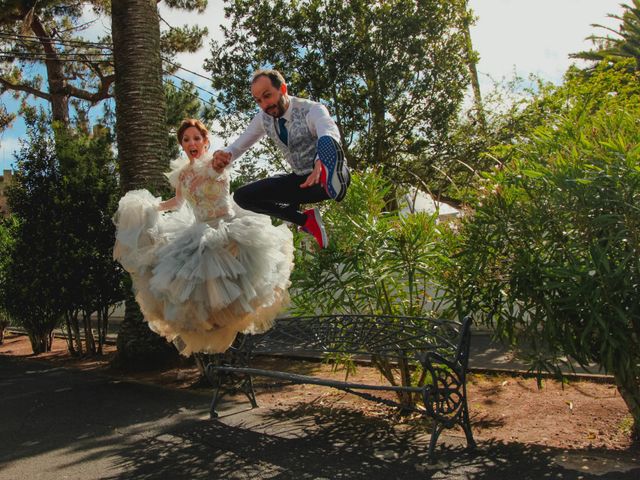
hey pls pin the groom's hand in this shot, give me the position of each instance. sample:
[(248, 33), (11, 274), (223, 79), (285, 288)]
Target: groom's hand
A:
[(314, 177), (220, 160)]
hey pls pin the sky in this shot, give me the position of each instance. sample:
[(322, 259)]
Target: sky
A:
[(511, 36)]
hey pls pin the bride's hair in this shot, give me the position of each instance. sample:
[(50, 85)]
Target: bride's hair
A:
[(192, 122)]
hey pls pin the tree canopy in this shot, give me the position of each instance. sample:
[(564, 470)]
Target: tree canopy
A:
[(392, 73), (77, 73), (549, 254), (624, 43)]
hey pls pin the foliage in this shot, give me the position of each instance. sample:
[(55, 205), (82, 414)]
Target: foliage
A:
[(391, 73), (93, 281), (506, 113), (62, 200), (30, 290), (79, 71), (518, 106), (550, 256), (8, 227), (625, 43), (378, 262)]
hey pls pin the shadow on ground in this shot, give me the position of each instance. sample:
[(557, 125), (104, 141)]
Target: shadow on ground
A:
[(68, 423)]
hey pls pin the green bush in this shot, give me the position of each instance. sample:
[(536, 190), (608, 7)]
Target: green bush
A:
[(551, 255), (377, 262)]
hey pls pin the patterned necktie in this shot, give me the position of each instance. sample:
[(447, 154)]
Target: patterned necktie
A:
[(282, 131)]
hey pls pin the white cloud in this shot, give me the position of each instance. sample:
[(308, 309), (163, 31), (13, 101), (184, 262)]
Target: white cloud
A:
[(212, 18), (535, 37)]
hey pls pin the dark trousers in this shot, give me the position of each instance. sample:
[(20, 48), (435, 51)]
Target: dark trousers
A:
[(279, 197)]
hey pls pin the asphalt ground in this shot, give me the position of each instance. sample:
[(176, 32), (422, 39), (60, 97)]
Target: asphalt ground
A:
[(68, 424)]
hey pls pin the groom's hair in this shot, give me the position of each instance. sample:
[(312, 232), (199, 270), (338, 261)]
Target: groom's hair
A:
[(274, 75)]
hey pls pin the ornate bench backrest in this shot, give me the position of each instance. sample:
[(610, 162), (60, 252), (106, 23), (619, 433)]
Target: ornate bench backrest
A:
[(385, 336)]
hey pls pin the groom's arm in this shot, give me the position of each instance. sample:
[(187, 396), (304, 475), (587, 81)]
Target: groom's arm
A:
[(252, 134), (321, 124)]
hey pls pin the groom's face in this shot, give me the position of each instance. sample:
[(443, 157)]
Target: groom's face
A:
[(270, 99)]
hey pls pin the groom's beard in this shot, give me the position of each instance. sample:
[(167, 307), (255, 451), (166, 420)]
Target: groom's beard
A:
[(279, 108)]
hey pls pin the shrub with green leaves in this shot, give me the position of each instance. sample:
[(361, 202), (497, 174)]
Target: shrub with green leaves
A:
[(378, 262), (551, 255), (58, 264), (8, 227)]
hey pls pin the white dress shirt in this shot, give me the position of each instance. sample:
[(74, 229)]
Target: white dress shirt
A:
[(318, 121)]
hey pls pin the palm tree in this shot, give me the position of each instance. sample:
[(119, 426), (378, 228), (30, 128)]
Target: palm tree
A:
[(625, 44), (142, 141)]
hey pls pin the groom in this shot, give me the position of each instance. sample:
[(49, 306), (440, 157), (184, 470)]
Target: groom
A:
[(309, 139)]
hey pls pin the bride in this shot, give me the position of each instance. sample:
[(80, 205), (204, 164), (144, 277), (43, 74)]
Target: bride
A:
[(203, 269)]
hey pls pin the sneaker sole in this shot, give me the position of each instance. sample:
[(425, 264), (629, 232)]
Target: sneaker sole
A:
[(335, 177)]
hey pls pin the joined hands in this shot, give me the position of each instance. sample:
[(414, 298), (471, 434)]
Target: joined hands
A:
[(220, 160)]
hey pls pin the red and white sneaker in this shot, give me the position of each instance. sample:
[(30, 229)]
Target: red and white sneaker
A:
[(315, 227)]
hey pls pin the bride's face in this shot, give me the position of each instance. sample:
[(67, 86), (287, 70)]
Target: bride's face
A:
[(193, 143)]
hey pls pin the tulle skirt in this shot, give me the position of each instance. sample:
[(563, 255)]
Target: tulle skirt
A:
[(198, 284)]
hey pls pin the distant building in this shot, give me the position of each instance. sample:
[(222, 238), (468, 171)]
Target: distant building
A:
[(419, 201), (5, 180)]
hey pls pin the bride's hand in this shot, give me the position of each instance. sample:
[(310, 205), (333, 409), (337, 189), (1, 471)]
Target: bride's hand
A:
[(220, 160)]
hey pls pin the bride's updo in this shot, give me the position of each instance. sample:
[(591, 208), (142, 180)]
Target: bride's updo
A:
[(192, 122)]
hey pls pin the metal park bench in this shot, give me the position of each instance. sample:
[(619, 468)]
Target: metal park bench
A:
[(439, 347)]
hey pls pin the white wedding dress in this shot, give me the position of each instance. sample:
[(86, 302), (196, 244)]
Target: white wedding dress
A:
[(208, 270)]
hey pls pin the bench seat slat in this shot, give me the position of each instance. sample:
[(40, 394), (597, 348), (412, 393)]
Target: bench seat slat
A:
[(295, 377)]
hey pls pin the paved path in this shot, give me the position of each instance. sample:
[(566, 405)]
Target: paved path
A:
[(485, 354), (65, 424)]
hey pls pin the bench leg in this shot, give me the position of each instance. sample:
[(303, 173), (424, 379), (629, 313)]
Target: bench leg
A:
[(466, 426), (437, 429), (214, 401), (247, 389)]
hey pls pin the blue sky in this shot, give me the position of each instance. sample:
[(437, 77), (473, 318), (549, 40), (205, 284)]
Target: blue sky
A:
[(510, 36)]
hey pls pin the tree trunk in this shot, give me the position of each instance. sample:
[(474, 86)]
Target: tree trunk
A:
[(70, 347), (629, 389), (140, 103), (142, 140), (76, 332), (89, 341), (471, 64), (57, 82), (138, 348), (103, 326), (41, 341)]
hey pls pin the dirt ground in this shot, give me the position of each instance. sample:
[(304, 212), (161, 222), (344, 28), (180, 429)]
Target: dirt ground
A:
[(581, 414)]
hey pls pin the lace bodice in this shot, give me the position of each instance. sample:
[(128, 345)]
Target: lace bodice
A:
[(206, 190)]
